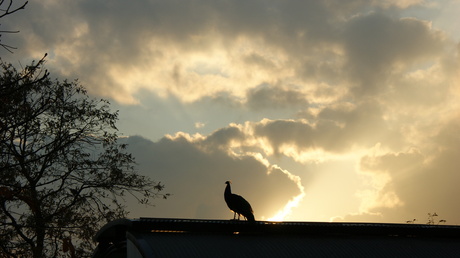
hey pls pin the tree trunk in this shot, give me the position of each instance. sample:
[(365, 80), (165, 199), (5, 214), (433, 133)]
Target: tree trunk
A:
[(40, 224), (40, 243)]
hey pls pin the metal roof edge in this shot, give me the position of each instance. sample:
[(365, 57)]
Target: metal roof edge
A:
[(295, 227), (117, 229)]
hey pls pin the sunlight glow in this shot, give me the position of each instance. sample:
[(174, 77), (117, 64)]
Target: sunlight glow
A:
[(294, 202), (287, 210)]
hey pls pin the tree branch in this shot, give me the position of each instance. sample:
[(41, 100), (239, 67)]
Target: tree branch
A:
[(8, 10), (16, 226)]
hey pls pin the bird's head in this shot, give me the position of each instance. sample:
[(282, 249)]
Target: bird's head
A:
[(228, 182)]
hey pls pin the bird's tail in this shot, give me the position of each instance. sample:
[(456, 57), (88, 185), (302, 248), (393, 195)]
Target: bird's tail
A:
[(250, 217)]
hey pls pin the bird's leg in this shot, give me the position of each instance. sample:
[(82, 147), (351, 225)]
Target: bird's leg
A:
[(234, 215), (238, 216)]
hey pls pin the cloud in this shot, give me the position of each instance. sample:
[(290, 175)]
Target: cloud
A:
[(275, 97), (398, 3), (377, 46), (336, 130), (279, 85), (199, 49), (194, 172), (199, 125), (414, 182)]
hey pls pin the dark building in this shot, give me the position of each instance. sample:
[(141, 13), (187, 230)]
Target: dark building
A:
[(154, 237)]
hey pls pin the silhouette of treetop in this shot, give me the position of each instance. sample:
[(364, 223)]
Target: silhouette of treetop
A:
[(63, 172)]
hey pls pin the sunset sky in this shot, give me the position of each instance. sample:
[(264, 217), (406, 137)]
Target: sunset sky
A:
[(315, 110)]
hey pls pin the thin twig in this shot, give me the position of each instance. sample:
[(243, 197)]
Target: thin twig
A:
[(7, 11)]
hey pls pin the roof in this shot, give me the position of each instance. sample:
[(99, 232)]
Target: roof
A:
[(163, 237)]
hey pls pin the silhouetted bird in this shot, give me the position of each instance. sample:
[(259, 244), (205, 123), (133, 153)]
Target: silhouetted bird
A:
[(238, 204)]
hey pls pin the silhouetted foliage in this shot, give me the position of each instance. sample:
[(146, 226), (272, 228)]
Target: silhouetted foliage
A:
[(431, 219), (62, 172), (7, 8)]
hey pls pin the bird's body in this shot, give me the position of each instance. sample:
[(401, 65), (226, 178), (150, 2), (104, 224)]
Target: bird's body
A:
[(238, 204)]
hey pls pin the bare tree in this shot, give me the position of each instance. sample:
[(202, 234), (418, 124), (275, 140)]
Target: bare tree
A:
[(62, 172), (7, 8)]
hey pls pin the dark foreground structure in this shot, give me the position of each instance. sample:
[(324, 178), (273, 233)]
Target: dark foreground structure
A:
[(155, 237)]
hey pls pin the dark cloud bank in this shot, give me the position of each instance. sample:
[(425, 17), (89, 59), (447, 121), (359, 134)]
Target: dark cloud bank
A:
[(195, 172)]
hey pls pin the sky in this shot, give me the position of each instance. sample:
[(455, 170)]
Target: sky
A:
[(315, 110)]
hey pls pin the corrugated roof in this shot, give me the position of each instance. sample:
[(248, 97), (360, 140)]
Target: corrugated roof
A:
[(228, 238)]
